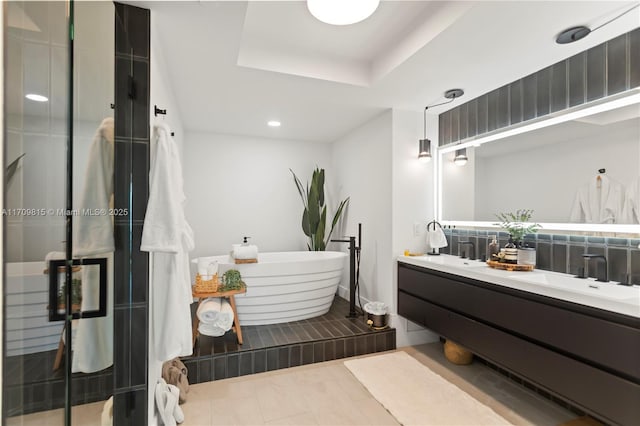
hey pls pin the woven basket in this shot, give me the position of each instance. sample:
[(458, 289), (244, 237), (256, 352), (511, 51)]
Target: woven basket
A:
[(457, 354), (206, 286)]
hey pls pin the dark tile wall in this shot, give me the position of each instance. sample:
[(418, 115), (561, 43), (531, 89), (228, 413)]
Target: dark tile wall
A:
[(563, 253), (131, 172), (604, 70)]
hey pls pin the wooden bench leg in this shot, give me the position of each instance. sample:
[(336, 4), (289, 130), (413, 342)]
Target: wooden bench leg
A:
[(194, 331), (59, 354), (236, 323)]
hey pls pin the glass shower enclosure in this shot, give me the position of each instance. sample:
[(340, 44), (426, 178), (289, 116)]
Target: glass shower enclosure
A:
[(58, 212)]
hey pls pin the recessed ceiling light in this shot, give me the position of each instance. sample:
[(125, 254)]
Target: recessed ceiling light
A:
[(273, 123), (37, 98), (342, 12)]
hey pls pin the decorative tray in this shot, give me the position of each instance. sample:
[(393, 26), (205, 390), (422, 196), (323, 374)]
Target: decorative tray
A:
[(510, 266)]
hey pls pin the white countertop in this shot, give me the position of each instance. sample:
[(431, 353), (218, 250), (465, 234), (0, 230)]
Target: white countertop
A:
[(607, 296)]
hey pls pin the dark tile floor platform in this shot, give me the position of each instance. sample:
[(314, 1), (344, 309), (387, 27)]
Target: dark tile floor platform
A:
[(272, 347), (31, 385)]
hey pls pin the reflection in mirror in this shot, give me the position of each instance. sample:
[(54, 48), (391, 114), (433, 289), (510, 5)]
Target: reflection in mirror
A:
[(581, 171), (37, 128)]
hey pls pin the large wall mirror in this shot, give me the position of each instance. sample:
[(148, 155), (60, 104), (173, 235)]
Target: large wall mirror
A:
[(578, 171)]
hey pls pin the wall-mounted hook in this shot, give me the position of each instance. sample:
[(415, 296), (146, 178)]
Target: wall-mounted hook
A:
[(157, 111), (113, 106)]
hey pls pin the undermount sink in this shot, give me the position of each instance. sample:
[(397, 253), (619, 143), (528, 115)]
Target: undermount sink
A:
[(455, 261), (608, 290)]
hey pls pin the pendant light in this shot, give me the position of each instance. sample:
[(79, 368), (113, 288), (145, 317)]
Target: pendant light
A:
[(461, 157), (424, 150), (342, 12), (424, 145)]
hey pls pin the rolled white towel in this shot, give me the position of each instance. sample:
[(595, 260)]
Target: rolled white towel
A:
[(210, 330), (224, 320), (246, 252), (436, 238), (209, 309)]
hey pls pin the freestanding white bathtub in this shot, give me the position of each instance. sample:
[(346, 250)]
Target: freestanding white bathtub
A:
[(286, 286)]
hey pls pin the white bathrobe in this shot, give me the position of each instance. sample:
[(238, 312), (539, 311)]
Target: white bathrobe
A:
[(632, 203), (93, 238), (169, 238), (599, 202)]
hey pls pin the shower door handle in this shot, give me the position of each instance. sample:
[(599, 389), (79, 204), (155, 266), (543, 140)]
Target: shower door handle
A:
[(57, 269)]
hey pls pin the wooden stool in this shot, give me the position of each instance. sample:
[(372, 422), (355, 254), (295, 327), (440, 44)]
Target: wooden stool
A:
[(230, 295)]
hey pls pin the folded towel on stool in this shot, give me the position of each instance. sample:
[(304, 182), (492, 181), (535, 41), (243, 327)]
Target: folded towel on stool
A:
[(209, 310), (210, 330), (224, 320), (245, 252)]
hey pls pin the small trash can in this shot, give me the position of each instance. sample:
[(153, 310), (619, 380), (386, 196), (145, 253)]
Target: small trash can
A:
[(376, 315)]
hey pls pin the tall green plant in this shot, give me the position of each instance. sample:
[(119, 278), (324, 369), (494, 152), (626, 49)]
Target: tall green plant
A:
[(314, 217)]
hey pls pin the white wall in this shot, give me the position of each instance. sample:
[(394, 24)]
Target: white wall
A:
[(162, 95), (376, 165), (362, 166), (412, 205), (241, 186)]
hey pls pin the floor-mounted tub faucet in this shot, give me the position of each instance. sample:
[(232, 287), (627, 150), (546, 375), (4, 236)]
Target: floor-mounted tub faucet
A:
[(472, 252), (598, 257), (354, 269)]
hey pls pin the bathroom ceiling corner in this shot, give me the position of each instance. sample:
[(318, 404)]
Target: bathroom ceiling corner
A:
[(235, 64), (284, 37)]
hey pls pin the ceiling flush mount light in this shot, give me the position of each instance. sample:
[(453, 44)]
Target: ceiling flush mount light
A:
[(578, 33), (461, 157), (424, 150), (273, 123), (37, 98), (342, 12)]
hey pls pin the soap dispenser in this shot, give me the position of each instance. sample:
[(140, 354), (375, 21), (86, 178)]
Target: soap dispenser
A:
[(511, 252), (494, 249)]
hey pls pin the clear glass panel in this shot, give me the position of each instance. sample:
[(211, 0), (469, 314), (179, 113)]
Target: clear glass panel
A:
[(37, 54), (38, 134)]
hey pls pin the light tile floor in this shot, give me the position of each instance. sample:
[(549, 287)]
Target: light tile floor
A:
[(328, 394)]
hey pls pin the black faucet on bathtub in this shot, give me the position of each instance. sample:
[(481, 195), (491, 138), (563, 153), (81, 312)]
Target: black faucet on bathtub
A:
[(354, 270)]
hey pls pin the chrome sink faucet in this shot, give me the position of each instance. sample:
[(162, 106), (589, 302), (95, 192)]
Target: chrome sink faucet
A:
[(602, 277), (471, 253)]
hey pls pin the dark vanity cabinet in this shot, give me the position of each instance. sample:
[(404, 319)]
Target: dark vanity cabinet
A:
[(586, 356)]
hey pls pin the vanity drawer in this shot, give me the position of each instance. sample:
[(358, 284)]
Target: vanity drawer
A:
[(612, 346), (597, 391)]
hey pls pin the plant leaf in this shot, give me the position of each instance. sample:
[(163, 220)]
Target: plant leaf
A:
[(321, 187), (319, 236), (305, 223), (300, 188), (313, 209), (336, 216)]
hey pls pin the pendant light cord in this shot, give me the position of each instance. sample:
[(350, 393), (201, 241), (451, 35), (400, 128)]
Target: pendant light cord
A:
[(453, 98), (617, 17)]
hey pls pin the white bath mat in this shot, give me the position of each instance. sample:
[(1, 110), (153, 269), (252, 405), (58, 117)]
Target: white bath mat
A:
[(415, 395)]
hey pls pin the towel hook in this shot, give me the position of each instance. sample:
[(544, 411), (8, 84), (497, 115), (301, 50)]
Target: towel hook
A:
[(157, 111)]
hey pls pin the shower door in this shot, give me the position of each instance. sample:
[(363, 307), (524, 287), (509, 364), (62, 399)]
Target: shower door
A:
[(58, 220)]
